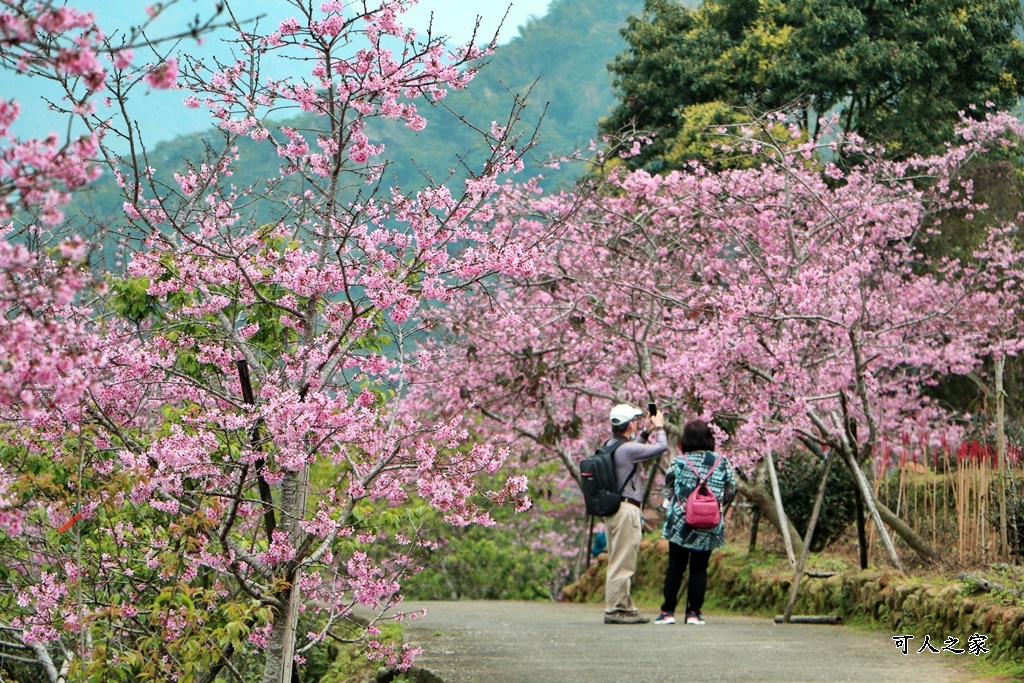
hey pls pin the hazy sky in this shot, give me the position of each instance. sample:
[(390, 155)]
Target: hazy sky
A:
[(159, 113), (454, 17)]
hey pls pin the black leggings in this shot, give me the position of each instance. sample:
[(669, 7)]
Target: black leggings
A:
[(698, 583)]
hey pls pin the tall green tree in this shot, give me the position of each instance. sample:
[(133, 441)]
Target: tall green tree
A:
[(898, 72)]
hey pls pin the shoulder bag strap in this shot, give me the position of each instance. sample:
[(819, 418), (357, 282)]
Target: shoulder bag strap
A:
[(690, 464), (713, 468), (705, 479)]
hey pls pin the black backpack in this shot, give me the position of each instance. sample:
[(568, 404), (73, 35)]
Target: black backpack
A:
[(601, 495)]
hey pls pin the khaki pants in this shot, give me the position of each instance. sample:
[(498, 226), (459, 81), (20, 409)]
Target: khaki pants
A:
[(624, 534)]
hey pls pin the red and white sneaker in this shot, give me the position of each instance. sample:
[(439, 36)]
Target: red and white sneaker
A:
[(694, 619)]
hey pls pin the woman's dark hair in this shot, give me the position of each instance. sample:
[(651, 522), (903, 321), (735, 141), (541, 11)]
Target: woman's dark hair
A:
[(696, 437)]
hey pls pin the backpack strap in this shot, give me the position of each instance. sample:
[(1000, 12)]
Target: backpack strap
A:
[(631, 473), (615, 447), (710, 472)]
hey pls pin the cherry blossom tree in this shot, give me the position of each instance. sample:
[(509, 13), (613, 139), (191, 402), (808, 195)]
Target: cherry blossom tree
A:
[(222, 451), (788, 302), (50, 352)]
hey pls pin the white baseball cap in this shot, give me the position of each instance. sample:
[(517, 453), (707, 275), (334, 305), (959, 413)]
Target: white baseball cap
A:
[(624, 413)]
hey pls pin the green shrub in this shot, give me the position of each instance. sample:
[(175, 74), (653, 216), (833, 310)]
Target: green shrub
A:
[(480, 563), (799, 477), (348, 662), (528, 555)]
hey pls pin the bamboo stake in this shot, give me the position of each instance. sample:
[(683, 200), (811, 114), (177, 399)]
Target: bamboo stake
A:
[(982, 508), (871, 527), (947, 484), (961, 511), (918, 499), (975, 503), (986, 483), (935, 499), (901, 493), (968, 494), (912, 504), (979, 496), (960, 472)]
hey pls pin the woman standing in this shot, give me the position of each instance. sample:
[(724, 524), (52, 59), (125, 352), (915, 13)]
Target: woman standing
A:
[(686, 544)]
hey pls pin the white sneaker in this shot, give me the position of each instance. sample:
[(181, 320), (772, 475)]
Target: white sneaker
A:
[(664, 619), (693, 619)]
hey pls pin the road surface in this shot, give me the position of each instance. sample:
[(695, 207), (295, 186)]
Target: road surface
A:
[(539, 642)]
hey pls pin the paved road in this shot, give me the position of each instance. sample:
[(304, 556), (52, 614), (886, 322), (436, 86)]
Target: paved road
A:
[(520, 642)]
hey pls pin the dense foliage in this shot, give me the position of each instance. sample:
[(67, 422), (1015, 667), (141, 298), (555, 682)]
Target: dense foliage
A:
[(799, 478), (898, 73), (784, 301)]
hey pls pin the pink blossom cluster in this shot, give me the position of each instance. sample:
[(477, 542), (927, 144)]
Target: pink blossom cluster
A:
[(45, 599), (64, 43), (767, 296), (45, 342), (369, 584), (223, 425)]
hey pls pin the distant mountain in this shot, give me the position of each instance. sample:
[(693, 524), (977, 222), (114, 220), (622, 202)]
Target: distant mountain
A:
[(560, 59), (562, 56), (566, 52)]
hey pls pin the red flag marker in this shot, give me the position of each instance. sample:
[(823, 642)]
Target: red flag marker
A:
[(67, 525)]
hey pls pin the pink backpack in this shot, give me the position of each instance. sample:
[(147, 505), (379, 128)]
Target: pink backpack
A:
[(702, 508)]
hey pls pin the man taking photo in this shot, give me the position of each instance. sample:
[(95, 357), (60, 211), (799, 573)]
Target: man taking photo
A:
[(624, 528)]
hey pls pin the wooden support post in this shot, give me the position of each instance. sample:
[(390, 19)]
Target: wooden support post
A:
[(869, 501), (784, 521), (799, 573), (846, 442), (819, 619)]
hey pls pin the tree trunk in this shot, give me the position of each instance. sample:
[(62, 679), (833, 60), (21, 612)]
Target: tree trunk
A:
[(44, 659), (901, 529), (281, 646), (766, 504), (862, 532), (755, 521), (274, 669)]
